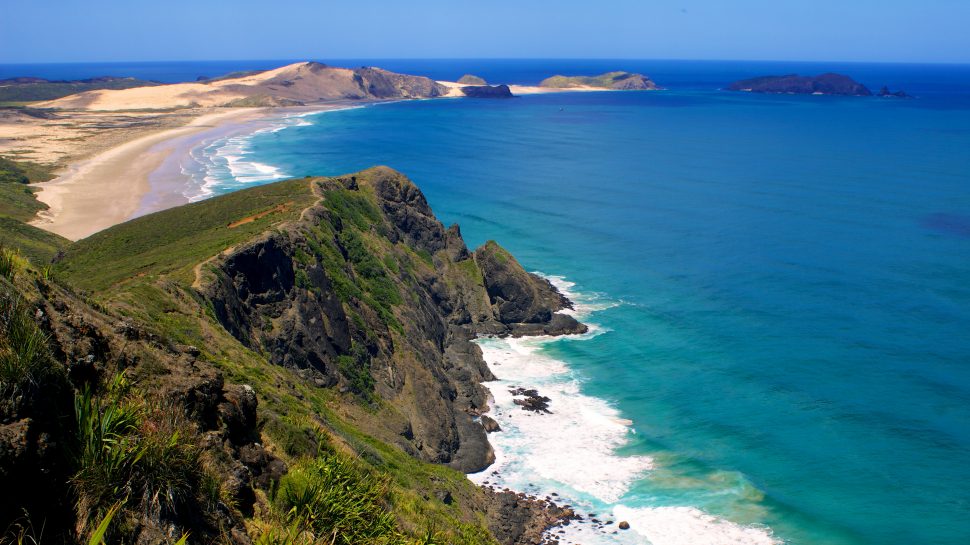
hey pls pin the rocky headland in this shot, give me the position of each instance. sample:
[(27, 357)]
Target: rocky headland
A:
[(310, 329)]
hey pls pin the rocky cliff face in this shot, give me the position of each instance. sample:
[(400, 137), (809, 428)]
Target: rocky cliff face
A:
[(824, 84), (343, 328), (370, 293)]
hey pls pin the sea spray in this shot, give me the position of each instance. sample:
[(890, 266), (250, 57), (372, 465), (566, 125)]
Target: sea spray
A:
[(570, 453)]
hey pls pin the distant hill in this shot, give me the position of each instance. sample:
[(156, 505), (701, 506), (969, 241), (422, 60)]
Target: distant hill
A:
[(469, 79), (28, 89), (294, 84), (824, 84), (611, 80)]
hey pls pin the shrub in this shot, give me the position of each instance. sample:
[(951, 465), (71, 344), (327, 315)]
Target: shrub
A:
[(338, 501), (8, 263), (26, 364), (135, 454)]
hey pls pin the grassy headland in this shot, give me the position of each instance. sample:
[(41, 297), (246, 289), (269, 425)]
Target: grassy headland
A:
[(288, 363)]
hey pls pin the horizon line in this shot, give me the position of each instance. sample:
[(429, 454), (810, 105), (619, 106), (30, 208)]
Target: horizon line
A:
[(309, 59)]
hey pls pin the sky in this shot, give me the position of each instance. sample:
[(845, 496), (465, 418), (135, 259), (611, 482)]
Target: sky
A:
[(810, 30)]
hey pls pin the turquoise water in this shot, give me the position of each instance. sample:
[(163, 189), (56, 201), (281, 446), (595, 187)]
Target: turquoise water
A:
[(780, 288)]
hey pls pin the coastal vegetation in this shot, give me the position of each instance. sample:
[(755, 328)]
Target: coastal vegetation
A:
[(18, 205), (609, 80), (25, 90), (469, 79), (285, 364)]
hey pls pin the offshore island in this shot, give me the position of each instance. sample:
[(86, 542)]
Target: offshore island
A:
[(282, 364)]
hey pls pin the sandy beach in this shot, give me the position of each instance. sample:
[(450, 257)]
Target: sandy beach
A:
[(120, 153), (108, 188)]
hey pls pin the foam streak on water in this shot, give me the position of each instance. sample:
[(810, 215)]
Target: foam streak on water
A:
[(225, 164), (573, 451)]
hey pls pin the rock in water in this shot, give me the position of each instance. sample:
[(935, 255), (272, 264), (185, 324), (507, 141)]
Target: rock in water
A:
[(489, 424), (624, 525), (885, 92)]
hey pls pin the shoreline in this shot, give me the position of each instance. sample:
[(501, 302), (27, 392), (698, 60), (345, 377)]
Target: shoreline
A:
[(169, 182), (143, 175), (108, 188), (538, 455)]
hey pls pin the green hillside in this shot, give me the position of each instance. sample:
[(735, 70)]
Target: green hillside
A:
[(289, 363)]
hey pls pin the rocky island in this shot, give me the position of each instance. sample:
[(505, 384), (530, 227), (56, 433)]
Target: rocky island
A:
[(824, 84), (621, 81)]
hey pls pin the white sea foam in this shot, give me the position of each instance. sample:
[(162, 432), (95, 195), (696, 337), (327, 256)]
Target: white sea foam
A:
[(225, 162), (573, 451), (690, 526), (572, 447)]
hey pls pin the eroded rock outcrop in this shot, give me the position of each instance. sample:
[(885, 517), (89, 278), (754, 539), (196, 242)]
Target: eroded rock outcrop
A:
[(371, 293)]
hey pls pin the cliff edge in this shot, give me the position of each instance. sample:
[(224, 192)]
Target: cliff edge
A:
[(259, 357)]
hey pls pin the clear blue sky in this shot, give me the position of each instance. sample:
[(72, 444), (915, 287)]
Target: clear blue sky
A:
[(135, 30)]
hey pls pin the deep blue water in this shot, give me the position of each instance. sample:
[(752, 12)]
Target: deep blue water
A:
[(787, 278), (793, 341)]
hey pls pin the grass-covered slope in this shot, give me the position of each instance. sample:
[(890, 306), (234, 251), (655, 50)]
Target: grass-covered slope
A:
[(173, 242), (18, 205), (20, 90), (295, 358), (609, 80)]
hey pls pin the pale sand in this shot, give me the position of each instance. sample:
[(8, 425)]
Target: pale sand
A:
[(174, 95), (109, 188), (112, 158), (454, 89)]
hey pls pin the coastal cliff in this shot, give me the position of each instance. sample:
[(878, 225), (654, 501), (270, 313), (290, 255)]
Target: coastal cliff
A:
[(824, 84), (266, 342)]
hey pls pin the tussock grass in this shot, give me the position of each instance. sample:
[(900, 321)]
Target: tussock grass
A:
[(336, 499), (135, 454), (26, 363)]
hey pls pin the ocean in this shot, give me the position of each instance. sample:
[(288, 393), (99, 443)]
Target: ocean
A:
[(778, 288)]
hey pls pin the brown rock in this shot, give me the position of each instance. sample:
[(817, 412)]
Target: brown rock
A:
[(489, 424)]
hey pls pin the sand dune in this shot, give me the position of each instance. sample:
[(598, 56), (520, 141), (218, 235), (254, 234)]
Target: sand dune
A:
[(291, 85)]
